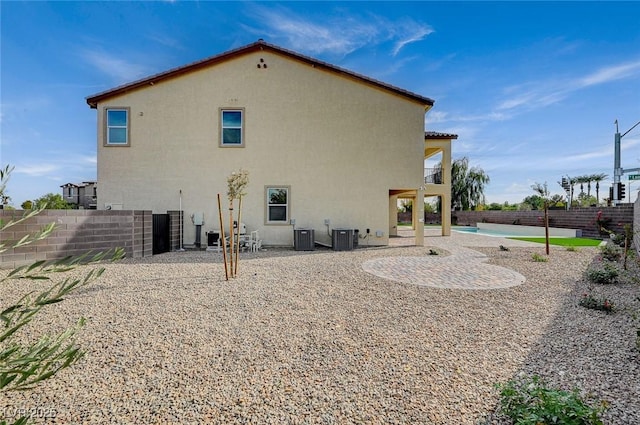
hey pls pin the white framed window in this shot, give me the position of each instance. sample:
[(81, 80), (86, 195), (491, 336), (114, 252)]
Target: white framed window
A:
[(232, 127), (71, 191), (117, 127), (278, 204)]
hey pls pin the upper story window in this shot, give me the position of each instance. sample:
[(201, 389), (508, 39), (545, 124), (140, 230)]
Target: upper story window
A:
[(232, 127), (117, 128), (71, 191), (277, 205)]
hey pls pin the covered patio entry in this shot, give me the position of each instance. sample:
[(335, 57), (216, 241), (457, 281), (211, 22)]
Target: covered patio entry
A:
[(437, 182), (417, 213)]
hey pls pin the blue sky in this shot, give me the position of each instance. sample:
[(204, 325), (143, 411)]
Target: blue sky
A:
[(532, 89)]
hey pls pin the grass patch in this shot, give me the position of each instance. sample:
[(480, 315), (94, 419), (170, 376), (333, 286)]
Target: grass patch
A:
[(561, 241)]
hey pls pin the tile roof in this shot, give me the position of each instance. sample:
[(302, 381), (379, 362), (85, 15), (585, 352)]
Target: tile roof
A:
[(438, 135), (93, 100)]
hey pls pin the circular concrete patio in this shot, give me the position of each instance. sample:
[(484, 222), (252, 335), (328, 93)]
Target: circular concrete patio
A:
[(464, 268)]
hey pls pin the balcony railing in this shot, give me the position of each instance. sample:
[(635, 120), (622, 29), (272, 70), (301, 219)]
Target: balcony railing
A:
[(433, 176)]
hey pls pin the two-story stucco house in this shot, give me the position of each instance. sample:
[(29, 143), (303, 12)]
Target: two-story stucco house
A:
[(81, 195), (325, 147)]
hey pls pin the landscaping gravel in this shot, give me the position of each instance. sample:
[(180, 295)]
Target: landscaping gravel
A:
[(311, 338)]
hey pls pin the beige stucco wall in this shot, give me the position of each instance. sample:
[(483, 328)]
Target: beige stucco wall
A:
[(340, 145)]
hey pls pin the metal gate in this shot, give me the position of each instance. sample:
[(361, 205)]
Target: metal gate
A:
[(161, 233)]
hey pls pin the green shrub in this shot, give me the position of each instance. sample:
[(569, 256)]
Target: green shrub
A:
[(602, 273), (539, 258), (528, 401), (602, 304), (611, 252)]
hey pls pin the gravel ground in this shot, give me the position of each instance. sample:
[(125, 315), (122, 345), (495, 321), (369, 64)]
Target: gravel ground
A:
[(309, 337)]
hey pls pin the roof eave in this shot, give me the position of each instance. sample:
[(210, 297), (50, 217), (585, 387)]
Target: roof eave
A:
[(93, 100)]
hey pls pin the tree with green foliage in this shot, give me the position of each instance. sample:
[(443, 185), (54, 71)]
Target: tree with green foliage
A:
[(23, 364), (27, 205), (585, 200), (535, 201), (406, 205), (4, 178), (557, 200), (509, 207), (53, 202), (467, 185), (430, 207)]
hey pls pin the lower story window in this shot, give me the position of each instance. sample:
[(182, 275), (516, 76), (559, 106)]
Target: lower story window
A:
[(278, 204)]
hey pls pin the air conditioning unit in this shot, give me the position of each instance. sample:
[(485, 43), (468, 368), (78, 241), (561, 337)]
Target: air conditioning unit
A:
[(303, 240), (342, 239)]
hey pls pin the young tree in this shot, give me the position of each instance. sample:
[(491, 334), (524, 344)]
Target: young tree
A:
[(543, 192), (236, 185), (23, 365)]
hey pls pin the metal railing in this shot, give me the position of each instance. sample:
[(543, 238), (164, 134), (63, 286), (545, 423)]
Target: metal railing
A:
[(433, 176)]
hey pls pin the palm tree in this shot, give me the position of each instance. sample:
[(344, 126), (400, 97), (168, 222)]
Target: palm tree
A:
[(598, 178), (582, 180), (572, 182)]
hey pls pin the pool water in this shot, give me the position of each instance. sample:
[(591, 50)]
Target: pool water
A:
[(485, 232)]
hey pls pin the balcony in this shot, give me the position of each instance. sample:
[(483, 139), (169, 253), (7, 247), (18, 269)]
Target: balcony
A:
[(433, 176)]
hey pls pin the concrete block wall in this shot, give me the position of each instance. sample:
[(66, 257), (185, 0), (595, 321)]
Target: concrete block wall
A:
[(636, 224), (175, 222), (576, 218), (77, 232)]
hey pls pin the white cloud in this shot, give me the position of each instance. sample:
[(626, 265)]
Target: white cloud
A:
[(442, 116), (165, 40), (341, 33), (611, 73), (539, 94), (434, 117), (118, 68), (90, 160), (37, 170), (410, 32)]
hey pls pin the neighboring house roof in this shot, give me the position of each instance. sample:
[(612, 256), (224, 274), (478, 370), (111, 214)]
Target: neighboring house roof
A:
[(260, 45), (83, 184), (437, 135)]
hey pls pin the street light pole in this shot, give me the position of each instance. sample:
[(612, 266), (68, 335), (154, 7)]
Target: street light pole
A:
[(618, 171)]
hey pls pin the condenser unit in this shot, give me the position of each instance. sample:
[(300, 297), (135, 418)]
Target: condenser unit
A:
[(303, 240), (342, 239)]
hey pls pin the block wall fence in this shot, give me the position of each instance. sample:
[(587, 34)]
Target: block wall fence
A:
[(636, 224), (576, 218), (77, 232), (175, 230)]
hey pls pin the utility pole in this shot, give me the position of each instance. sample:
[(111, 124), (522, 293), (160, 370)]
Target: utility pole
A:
[(618, 171)]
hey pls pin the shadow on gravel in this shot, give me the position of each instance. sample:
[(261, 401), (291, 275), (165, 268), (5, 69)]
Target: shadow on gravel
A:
[(204, 256), (591, 350)]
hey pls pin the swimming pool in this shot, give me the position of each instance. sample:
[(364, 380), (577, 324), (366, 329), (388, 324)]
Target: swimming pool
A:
[(484, 232), (510, 230)]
